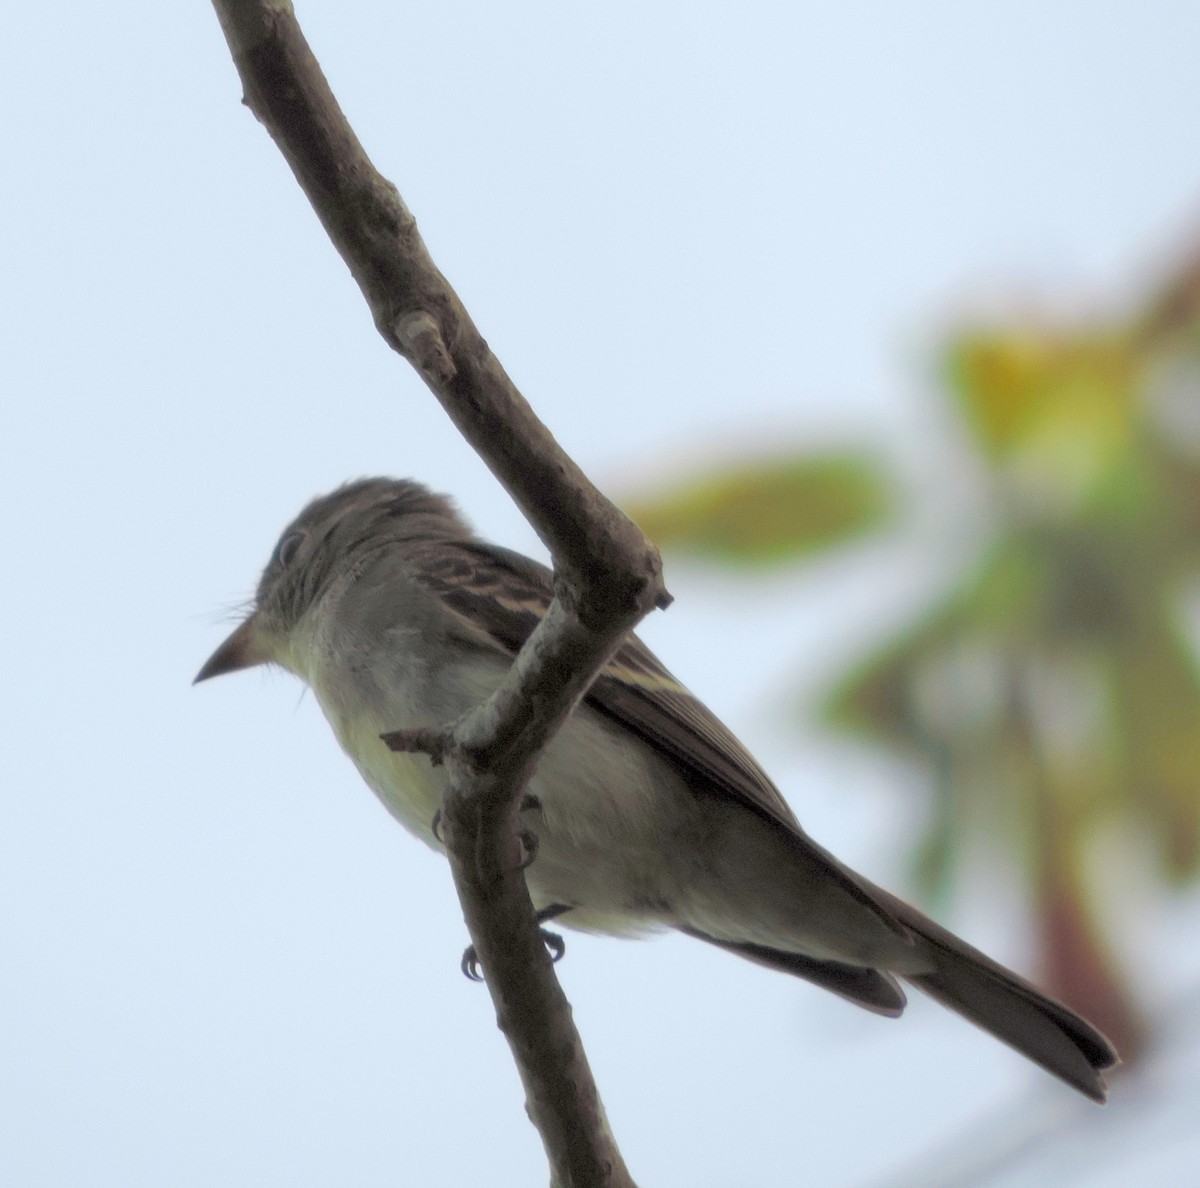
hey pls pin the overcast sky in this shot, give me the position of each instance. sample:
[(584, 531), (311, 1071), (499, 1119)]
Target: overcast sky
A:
[(683, 229)]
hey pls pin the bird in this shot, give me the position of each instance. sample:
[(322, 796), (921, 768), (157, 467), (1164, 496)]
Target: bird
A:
[(647, 811)]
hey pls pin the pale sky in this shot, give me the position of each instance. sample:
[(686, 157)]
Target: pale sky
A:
[(683, 229)]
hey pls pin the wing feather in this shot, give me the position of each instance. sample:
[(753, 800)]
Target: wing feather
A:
[(507, 594)]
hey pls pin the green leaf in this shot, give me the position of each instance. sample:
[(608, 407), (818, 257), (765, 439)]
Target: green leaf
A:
[(768, 512)]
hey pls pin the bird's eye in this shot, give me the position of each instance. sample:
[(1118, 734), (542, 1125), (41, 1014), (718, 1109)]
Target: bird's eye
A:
[(287, 548)]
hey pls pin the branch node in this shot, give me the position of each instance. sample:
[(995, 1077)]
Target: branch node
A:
[(420, 741), (420, 338)]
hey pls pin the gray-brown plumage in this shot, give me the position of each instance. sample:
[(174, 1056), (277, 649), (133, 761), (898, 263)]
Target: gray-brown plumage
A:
[(649, 813)]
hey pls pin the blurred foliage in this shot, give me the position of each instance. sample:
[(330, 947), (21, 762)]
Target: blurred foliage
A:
[(768, 511), (1053, 692)]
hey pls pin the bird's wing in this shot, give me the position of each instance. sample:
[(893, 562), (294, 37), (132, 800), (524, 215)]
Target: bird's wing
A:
[(500, 596)]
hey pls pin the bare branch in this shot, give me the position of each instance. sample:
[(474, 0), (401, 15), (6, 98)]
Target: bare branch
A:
[(604, 557), (607, 574)]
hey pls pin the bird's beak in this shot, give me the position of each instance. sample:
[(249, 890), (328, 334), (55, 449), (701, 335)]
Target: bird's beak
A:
[(243, 649)]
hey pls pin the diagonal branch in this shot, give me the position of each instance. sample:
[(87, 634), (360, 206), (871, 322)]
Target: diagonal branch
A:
[(608, 576)]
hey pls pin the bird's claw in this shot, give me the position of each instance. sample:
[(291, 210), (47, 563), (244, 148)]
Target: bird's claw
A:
[(555, 945), (470, 966), (529, 848), (473, 971), (435, 827)]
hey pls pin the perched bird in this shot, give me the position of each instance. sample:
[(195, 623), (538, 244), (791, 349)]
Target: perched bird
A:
[(648, 813)]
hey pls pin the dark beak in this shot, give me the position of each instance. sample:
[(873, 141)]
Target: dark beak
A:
[(241, 650)]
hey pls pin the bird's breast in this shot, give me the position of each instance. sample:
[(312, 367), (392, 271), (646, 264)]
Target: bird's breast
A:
[(360, 704)]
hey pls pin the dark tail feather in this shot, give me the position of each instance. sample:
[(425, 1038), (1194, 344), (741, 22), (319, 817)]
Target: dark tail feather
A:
[(870, 988), (1007, 1006)]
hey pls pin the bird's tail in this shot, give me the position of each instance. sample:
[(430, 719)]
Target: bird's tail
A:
[(1005, 1005)]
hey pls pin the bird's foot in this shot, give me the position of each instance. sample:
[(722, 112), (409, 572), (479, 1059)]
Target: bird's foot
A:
[(555, 945)]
